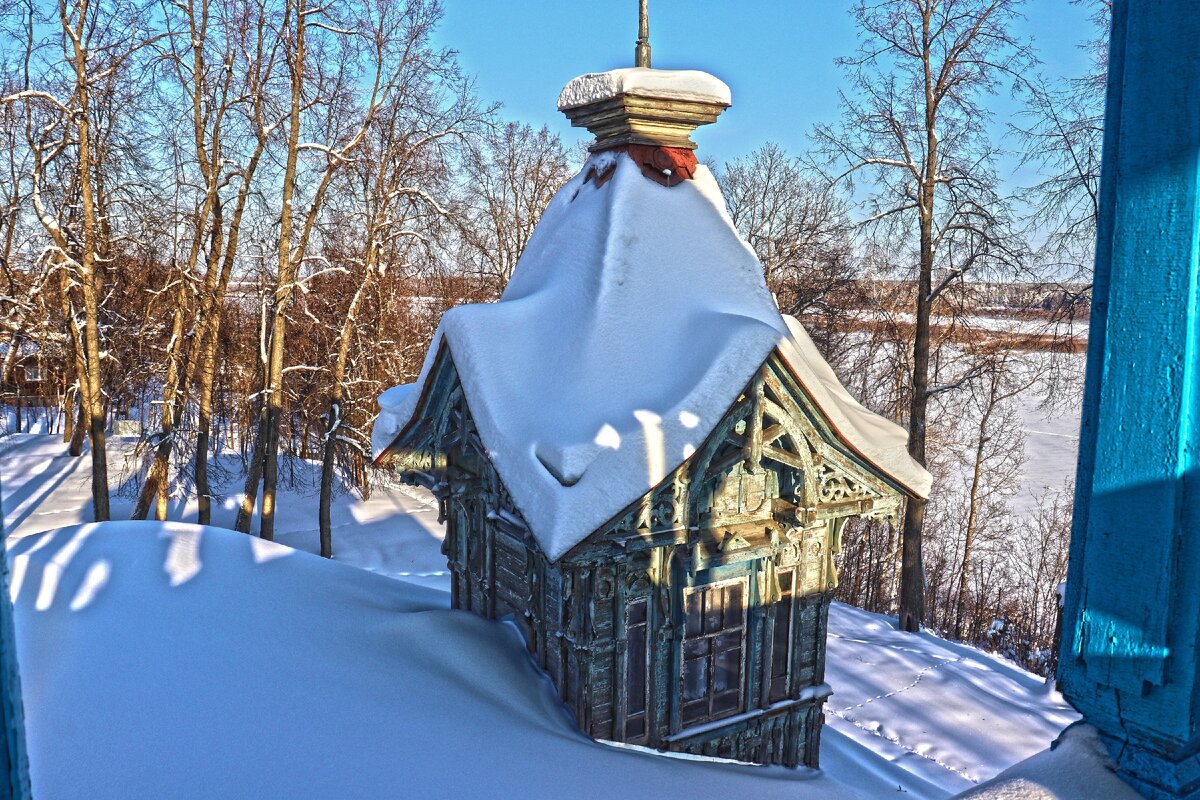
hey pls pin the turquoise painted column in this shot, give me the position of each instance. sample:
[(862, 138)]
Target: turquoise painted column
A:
[(14, 762), (1131, 627)]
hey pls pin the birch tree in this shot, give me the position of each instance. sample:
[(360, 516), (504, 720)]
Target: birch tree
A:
[(69, 95), (330, 51)]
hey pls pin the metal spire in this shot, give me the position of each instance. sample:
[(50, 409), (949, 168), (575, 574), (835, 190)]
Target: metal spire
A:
[(641, 54)]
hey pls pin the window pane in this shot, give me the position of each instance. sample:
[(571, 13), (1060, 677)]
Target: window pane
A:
[(733, 606), (712, 656), (692, 626), (635, 727), (712, 611), (725, 703), (780, 648), (695, 679), (726, 641), (635, 669), (693, 712), (782, 640), (727, 671), (637, 612)]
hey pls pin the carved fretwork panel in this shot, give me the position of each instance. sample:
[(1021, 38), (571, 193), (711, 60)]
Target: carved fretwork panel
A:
[(772, 464), (740, 492)]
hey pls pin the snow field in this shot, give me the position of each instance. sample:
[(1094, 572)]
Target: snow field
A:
[(238, 667), (205, 663), (395, 533)]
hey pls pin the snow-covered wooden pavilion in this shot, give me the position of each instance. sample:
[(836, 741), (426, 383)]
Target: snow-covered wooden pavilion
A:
[(639, 459)]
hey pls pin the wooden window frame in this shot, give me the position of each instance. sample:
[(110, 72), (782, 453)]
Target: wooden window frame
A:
[(787, 598), (643, 715), (710, 658)]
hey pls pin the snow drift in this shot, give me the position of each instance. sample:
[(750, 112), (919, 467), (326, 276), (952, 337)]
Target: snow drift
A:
[(174, 660)]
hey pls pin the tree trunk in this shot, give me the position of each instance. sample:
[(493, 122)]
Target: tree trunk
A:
[(89, 282), (210, 337), (159, 474), (78, 428), (364, 477), (270, 474), (329, 451), (67, 407), (77, 419), (267, 447), (912, 571), (203, 444), (912, 568), (284, 285), (969, 535), (253, 476), (95, 411)]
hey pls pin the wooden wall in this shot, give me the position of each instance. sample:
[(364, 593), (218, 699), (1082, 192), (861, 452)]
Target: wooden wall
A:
[(757, 512)]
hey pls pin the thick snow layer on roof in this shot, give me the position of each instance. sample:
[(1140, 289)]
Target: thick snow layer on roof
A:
[(876, 438), (392, 414), (633, 320), (675, 84)]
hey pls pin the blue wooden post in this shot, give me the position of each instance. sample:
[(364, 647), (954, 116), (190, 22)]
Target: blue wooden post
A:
[(14, 762), (1132, 609)]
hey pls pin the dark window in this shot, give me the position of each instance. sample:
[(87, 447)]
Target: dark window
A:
[(713, 647), (635, 669), (781, 644)]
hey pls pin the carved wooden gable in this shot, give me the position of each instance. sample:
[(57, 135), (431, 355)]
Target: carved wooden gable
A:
[(773, 462)]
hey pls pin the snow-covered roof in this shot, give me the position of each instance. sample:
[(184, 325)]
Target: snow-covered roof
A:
[(635, 317), (875, 438), (672, 84)]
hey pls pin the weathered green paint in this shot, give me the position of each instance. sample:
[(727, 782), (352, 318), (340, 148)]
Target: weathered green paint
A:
[(765, 496), (1131, 628), (14, 759)]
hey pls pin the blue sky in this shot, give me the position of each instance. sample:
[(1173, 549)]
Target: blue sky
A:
[(777, 56)]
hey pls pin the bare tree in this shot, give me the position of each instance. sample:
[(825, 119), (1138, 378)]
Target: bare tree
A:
[(914, 127), (19, 311), (799, 229), (1039, 569), (399, 170), (509, 176), (1063, 138), (330, 50), (218, 65), (996, 455), (70, 99)]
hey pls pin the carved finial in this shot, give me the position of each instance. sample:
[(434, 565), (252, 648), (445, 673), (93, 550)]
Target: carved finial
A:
[(641, 54)]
